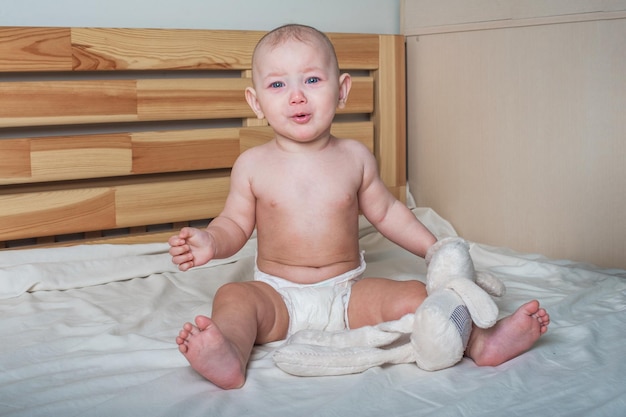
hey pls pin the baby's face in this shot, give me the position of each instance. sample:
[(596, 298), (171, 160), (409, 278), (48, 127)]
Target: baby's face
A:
[(297, 88)]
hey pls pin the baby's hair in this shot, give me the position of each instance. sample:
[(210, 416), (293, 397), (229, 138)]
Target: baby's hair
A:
[(302, 33)]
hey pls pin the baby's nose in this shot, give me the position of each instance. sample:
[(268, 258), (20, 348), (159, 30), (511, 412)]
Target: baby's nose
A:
[(297, 97)]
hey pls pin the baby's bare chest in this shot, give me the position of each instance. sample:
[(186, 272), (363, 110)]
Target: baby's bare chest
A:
[(316, 183), (317, 190)]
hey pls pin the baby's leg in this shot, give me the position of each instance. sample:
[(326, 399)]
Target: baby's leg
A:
[(510, 337), (377, 300), (219, 348)]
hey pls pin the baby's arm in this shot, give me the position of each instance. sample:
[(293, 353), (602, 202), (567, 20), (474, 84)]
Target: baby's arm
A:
[(225, 234), (401, 226), (390, 216)]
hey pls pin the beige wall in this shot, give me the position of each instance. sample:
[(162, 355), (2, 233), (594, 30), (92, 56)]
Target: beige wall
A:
[(517, 130)]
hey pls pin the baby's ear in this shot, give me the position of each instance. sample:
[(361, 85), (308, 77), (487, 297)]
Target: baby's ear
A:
[(253, 102), (345, 83)]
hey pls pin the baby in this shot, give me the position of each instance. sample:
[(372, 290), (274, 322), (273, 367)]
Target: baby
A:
[(303, 191)]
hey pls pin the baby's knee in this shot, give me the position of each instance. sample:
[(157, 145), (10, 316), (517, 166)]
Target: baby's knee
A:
[(408, 296), (235, 291)]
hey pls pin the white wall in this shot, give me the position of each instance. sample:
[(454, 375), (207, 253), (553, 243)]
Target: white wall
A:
[(360, 16)]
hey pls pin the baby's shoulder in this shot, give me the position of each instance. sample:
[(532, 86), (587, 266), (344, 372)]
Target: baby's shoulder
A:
[(355, 148), (258, 152), (351, 145)]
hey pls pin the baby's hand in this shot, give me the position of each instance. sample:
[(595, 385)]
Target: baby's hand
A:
[(191, 247)]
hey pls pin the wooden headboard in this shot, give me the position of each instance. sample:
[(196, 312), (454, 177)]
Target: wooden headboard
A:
[(122, 135)]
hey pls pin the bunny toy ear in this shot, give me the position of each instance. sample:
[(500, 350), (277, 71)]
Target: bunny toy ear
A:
[(490, 283), (323, 353), (311, 360), (482, 308)]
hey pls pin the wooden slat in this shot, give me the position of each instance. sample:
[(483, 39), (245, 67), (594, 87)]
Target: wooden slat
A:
[(67, 102), (30, 160), (356, 51), (153, 49), (14, 159), (35, 49), (192, 99), (42, 103), (390, 114), (188, 198), (221, 98), (105, 49), (129, 239), (140, 49), (68, 158), (46, 159), (49, 159), (36, 211), (187, 150), (45, 213)]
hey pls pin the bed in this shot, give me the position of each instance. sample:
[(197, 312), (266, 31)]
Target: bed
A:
[(112, 139)]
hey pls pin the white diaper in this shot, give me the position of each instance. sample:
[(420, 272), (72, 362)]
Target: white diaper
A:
[(320, 306)]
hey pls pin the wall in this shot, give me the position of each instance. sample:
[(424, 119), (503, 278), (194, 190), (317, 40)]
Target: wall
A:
[(517, 132), (360, 16)]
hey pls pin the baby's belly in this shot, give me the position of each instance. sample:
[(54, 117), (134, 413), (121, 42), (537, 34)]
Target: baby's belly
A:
[(308, 270), (307, 246)]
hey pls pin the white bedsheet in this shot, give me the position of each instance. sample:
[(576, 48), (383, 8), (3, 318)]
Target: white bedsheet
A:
[(89, 331)]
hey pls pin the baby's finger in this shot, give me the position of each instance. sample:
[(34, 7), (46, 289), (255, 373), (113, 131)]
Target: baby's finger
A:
[(178, 250), (185, 266), (176, 240), (185, 232)]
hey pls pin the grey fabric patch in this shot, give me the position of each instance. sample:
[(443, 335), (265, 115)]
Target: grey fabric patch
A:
[(463, 322)]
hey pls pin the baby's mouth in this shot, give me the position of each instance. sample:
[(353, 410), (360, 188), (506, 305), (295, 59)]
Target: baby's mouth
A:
[(301, 117)]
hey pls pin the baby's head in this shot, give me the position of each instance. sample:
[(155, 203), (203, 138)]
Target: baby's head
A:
[(295, 32), (295, 69)]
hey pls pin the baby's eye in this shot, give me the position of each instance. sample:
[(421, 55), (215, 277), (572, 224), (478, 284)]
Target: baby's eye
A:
[(312, 80), (277, 84)]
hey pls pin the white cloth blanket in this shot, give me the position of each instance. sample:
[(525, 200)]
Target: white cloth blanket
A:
[(89, 331)]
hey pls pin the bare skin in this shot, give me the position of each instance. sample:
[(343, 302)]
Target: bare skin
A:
[(510, 337), (219, 360), (307, 220), (211, 354)]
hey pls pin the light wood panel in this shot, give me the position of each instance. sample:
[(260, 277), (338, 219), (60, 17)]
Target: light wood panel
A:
[(390, 116), (116, 49), (140, 49), (49, 159), (171, 151), (57, 159), (45, 213), (73, 208), (43, 103), (67, 102), (35, 49), (124, 128)]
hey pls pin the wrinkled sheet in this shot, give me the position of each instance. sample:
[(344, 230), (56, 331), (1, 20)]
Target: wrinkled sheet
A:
[(89, 331)]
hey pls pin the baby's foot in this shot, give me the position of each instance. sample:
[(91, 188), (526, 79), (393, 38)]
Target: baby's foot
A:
[(211, 354), (510, 337)]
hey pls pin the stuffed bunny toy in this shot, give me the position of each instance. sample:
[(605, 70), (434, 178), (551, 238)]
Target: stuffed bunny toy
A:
[(435, 337)]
